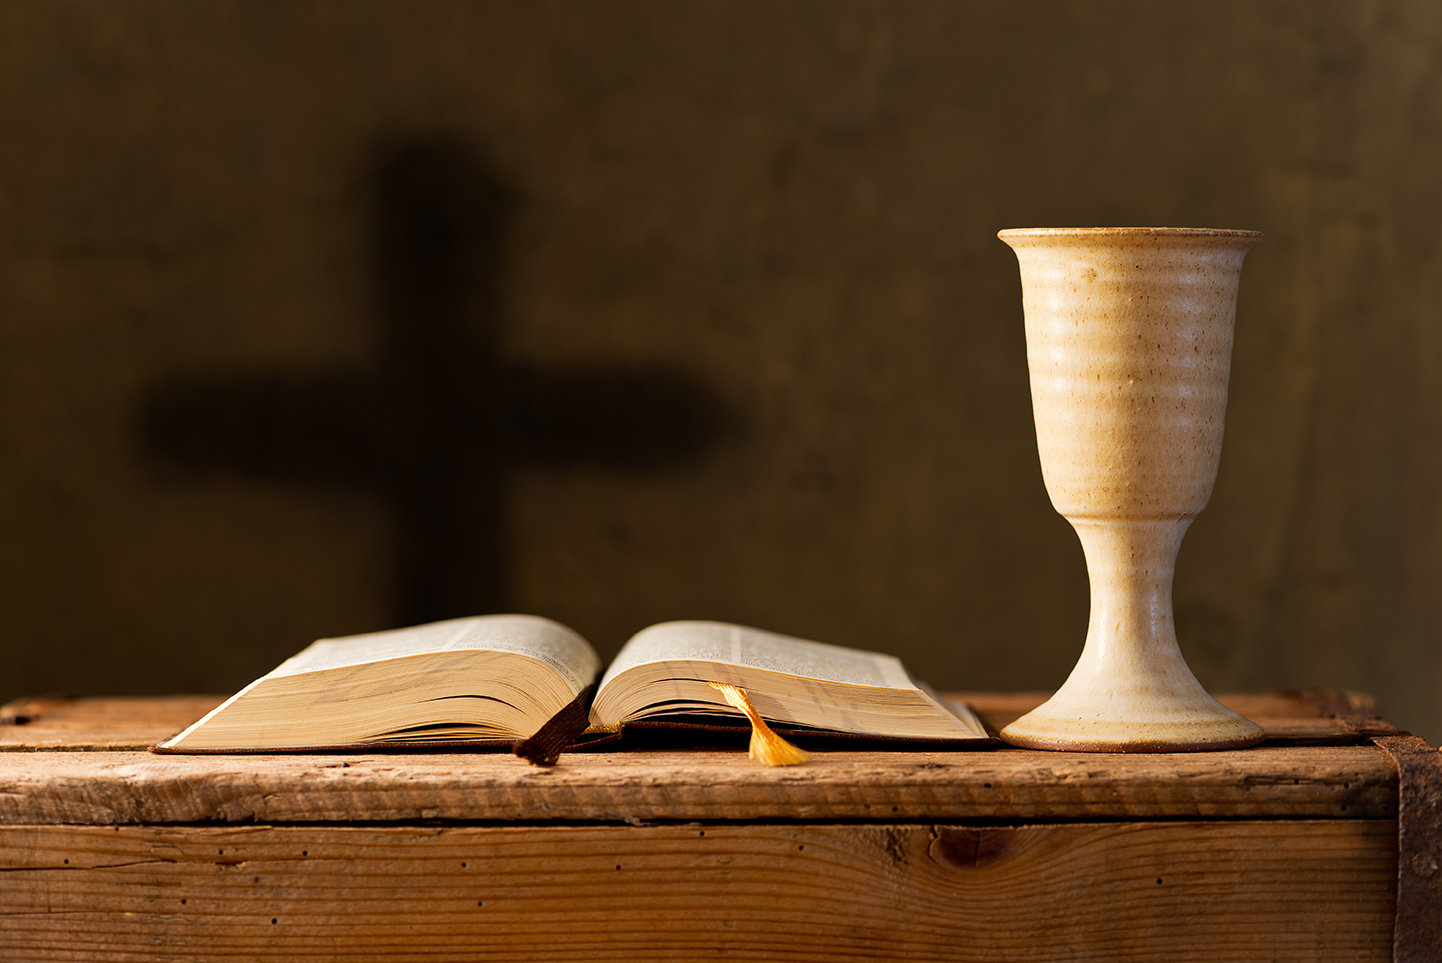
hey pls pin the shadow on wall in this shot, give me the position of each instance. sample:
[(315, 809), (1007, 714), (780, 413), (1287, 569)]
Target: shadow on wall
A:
[(436, 427)]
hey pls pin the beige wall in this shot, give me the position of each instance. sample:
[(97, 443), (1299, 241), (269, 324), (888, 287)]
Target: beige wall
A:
[(794, 204)]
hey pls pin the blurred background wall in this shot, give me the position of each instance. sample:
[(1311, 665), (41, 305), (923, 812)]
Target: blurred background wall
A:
[(319, 317)]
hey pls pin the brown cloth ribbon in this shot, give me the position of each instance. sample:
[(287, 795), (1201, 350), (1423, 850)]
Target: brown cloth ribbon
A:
[(559, 733)]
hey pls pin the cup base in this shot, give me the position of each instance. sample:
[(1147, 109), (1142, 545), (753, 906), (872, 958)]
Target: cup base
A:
[(1059, 744), (1079, 728)]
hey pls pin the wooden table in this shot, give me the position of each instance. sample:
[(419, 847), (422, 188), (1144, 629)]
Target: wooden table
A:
[(1287, 851)]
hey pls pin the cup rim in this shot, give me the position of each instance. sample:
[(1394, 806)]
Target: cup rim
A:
[(1129, 232)]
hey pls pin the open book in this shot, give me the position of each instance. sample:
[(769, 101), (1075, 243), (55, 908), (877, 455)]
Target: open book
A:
[(497, 679)]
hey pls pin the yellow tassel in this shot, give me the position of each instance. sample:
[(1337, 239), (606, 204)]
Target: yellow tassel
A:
[(766, 745)]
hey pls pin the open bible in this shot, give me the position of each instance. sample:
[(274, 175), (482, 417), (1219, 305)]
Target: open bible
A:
[(498, 679)]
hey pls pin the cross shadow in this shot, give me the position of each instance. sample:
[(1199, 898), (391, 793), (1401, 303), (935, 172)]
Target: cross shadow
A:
[(438, 427)]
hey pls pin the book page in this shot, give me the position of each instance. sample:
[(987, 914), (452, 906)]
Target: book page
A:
[(550, 642), (738, 645)]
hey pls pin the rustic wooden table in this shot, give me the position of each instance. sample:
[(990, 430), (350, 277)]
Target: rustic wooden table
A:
[(1287, 851)]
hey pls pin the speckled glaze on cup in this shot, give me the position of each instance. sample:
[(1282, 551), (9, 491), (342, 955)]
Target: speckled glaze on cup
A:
[(1129, 344)]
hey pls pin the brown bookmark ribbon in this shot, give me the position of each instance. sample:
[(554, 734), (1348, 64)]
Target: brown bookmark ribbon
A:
[(560, 732)]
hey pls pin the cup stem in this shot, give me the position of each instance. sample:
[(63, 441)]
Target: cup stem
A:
[(1131, 690), (1130, 565)]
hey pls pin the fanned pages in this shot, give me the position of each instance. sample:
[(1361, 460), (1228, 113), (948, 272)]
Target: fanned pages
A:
[(665, 670), (494, 678)]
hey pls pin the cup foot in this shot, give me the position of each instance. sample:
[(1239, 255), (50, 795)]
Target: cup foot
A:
[(1061, 744), (1075, 726)]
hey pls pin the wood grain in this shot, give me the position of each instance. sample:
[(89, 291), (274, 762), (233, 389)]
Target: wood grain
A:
[(89, 784), (130, 787), (58, 724), (1175, 892)]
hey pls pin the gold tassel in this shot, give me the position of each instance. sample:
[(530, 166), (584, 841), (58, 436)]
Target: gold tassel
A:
[(766, 745)]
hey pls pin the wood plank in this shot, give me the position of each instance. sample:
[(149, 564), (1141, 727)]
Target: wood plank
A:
[(1345, 782), (1175, 892), (114, 723)]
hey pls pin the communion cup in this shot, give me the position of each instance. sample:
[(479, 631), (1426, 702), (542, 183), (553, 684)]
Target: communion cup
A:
[(1129, 345)]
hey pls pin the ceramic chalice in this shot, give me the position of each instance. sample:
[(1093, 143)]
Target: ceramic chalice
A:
[(1129, 345)]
